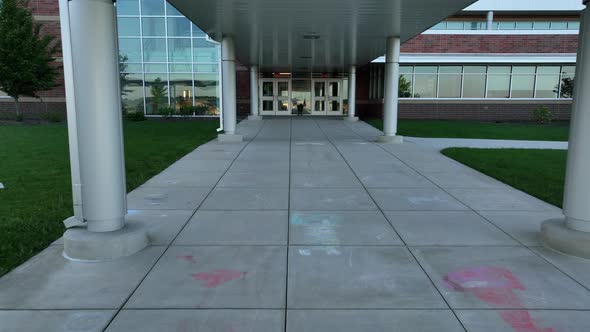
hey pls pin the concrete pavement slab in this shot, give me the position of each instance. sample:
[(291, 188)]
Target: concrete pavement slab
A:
[(358, 277), (522, 320), (247, 199), (334, 228), (331, 199), (236, 228), (507, 199), (500, 278), (446, 228), (372, 320), (166, 198), (424, 199), (215, 277), (162, 225), (524, 226), (49, 281), (55, 321), (199, 320)]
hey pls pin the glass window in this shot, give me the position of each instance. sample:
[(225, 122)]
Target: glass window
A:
[(179, 27), (558, 25), (152, 7), (202, 68), (453, 25), (181, 90), (573, 25), (126, 67), (171, 11), (524, 25), (156, 93), (198, 32), (181, 67), (440, 26), (405, 81), (475, 25), (155, 68), (154, 50), (449, 82), (207, 93), (128, 26), (153, 26), (566, 88), (523, 82), (425, 81), (506, 25), (179, 50), (474, 81), (498, 82), (542, 26), (132, 92), (130, 48), (205, 51), (547, 81), (127, 7)]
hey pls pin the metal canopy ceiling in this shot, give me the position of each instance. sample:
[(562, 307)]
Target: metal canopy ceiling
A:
[(279, 35)]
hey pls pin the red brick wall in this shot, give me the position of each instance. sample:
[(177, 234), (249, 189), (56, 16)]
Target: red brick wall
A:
[(468, 110), (491, 44), (44, 7)]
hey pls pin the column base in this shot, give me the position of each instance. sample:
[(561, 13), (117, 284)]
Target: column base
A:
[(83, 245), (390, 139), (229, 138), (351, 119), (556, 235), (254, 117)]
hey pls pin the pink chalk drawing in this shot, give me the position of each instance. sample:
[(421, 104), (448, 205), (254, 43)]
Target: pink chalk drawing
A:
[(217, 278), (188, 258), (496, 286)]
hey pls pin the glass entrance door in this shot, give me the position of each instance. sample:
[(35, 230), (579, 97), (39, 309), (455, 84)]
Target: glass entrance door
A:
[(284, 96), (319, 97), (327, 97), (275, 97), (267, 97)]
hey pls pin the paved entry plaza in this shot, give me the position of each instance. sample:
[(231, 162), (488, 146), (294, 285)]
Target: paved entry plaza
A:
[(310, 226)]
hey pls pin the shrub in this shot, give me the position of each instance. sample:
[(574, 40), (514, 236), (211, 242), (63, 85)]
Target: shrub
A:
[(20, 118), (187, 110), (167, 112), (201, 109), (136, 116), (53, 117), (543, 115)]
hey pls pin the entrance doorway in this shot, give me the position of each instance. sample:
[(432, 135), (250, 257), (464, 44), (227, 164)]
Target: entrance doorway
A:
[(294, 96)]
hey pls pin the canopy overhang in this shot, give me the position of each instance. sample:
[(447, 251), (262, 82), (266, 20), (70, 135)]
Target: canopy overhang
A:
[(314, 35)]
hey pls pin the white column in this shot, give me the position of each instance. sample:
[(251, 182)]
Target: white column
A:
[(94, 65), (490, 20), (228, 93), (98, 105), (572, 235), (390, 95), (254, 94), (352, 95)]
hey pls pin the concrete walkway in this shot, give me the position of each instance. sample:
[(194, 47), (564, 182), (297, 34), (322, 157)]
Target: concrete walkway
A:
[(309, 226), (443, 143)]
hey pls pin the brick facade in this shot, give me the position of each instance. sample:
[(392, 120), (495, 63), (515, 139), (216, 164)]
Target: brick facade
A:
[(491, 44)]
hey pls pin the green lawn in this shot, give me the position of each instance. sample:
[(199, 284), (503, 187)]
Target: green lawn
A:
[(34, 168), (471, 129), (540, 173)]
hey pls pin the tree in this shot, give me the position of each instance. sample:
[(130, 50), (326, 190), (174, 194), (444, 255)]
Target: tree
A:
[(159, 92), (567, 87), (405, 88), (123, 75), (26, 56)]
